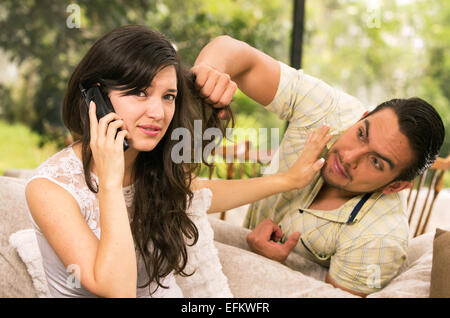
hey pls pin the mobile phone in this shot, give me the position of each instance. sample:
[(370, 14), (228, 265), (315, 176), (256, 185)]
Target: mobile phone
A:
[(102, 102)]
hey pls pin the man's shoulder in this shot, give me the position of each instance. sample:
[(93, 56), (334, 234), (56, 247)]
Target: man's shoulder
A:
[(309, 102), (388, 204), (386, 218)]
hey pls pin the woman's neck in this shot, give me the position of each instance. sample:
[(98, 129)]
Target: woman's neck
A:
[(130, 158)]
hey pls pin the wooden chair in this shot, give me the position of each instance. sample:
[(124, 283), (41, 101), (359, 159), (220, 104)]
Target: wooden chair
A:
[(243, 152), (434, 177)]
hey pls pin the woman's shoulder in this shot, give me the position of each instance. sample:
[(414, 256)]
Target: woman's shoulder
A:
[(63, 168), (61, 164), (61, 179)]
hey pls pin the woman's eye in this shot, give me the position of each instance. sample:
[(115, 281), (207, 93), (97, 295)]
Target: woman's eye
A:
[(170, 97), (141, 94)]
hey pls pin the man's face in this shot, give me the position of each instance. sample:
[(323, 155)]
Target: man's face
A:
[(369, 155)]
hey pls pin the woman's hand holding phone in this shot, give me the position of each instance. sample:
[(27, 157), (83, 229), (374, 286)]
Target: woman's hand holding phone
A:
[(107, 148)]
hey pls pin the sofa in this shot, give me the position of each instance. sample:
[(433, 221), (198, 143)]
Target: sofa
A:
[(222, 263)]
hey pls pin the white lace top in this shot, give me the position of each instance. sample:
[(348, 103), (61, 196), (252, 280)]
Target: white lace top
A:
[(66, 169)]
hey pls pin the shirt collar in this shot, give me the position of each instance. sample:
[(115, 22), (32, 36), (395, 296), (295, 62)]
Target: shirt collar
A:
[(341, 214)]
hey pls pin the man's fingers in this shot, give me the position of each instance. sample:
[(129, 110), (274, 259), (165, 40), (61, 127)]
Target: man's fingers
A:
[(215, 87), (209, 87), (220, 87), (227, 95), (200, 76), (291, 242), (277, 234)]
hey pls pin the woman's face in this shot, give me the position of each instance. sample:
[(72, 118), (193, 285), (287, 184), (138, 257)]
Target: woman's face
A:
[(147, 114)]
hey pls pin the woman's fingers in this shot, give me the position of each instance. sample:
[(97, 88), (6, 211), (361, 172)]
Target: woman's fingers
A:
[(93, 123), (103, 125), (318, 164), (120, 138), (316, 141), (111, 132), (104, 131)]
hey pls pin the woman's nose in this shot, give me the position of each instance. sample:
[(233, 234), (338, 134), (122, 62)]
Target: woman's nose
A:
[(155, 109)]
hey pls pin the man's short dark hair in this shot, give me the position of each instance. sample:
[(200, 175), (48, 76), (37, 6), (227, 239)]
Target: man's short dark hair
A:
[(423, 127)]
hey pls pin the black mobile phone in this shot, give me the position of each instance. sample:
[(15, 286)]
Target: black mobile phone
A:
[(102, 102)]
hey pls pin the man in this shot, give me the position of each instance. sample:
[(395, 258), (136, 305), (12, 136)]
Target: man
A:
[(352, 217)]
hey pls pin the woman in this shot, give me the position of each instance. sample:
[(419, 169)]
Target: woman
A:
[(136, 198)]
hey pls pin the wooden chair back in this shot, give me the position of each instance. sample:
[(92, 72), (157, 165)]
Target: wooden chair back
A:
[(417, 203), (242, 152)]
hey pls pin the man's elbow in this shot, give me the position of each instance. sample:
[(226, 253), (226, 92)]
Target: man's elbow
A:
[(224, 38), (329, 280)]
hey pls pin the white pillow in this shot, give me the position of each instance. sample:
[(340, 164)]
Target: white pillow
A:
[(207, 281), (24, 241)]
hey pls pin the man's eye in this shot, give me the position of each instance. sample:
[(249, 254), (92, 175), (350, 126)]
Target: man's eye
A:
[(360, 133), (376, 163)]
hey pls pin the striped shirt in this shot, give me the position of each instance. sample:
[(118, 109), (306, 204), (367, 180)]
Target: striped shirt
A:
[(362, 255)]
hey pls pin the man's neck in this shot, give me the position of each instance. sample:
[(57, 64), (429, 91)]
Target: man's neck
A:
[(330, 198)]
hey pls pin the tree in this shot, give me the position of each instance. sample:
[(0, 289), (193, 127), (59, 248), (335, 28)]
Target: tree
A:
[(44, 41), (378, 50)]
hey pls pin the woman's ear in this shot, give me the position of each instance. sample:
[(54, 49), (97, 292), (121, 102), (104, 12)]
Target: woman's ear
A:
[(397, 186)]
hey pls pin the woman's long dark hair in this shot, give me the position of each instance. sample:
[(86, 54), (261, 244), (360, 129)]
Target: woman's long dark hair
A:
[(128, 58)]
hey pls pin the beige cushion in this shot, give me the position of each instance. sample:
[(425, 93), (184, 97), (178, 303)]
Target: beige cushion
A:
[(255, 276), (19, 173), (15, 281), (250, 275), (440, 272)]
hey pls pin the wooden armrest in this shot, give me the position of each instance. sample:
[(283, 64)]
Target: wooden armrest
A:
[(441, 164)]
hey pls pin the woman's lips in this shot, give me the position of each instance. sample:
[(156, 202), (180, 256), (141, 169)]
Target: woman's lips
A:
[(150, 131)]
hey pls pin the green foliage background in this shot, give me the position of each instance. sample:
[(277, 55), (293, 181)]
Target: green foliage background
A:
[(374, 50)]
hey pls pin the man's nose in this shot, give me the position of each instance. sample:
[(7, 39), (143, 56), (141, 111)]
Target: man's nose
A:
[(351, 157)]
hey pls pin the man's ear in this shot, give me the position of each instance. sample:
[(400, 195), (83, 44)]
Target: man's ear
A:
[(397, 186)]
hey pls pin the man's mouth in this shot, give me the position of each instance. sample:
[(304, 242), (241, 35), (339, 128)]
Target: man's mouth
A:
[(339, 168)]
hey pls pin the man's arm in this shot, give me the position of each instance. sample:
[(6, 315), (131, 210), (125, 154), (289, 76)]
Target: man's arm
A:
[(264, 239), (329, 280), (225, 61)]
